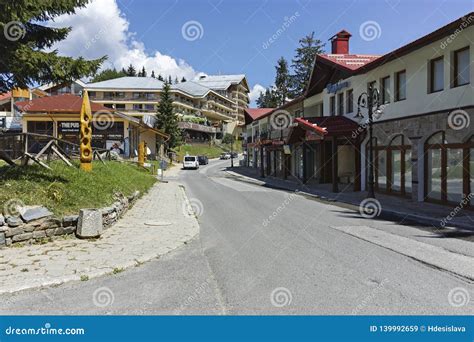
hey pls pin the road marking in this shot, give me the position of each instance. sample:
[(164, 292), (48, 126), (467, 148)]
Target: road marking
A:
[(459, 264), (238, 186)]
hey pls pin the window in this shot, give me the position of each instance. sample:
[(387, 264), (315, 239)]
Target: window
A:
[(436, 76), (350, 101), (120, 106), (400, 85), (137, 106), (461, 67), (340, 104), (332, 106), (385, 84)]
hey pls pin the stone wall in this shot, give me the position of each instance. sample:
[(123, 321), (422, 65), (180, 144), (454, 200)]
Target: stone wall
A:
[(29, 229)]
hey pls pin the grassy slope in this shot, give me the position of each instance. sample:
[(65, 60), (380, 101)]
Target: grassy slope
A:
[(201, 149), (65, 190)]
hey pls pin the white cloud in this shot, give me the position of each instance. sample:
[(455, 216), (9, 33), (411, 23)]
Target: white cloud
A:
[(102, 29), (256, 91)]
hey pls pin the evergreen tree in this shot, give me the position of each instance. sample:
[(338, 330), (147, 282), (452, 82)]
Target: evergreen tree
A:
[(183, 79), (267, 99), (108, 74), (176, 81), (142, 73), (303, 63), (282, 81), (170, 81), (131, 71), (160, 78), (24, 62), (153, 73), (166, 119)]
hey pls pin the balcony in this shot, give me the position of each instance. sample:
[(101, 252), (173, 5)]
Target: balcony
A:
[(198, 127)]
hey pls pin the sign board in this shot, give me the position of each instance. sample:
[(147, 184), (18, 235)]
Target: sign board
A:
[(334, 88)]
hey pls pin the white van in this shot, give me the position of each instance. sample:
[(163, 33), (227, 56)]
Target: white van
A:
[(190, 162)]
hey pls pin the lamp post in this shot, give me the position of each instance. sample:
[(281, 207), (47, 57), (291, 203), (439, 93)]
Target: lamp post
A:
[(370, 100), (232, 152)]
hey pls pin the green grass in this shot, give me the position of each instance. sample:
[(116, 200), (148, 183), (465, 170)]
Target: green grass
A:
[(206, 150), (65, 190)]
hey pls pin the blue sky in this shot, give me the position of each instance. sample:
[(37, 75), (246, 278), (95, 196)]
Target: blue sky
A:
[(231, 33)]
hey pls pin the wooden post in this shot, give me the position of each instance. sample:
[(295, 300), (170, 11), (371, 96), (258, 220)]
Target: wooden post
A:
[(357, 161), (86, 134), (141, 153)]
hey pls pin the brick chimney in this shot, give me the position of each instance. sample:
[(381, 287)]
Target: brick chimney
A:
[(340, 43)]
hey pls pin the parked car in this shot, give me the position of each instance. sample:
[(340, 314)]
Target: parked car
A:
[(190, 162), (203, 160), (234, 155), (225, 155)]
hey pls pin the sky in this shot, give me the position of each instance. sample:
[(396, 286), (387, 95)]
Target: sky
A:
[(190, 37)]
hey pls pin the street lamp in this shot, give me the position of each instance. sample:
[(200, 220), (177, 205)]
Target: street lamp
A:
[(370, 100), (232, 152)]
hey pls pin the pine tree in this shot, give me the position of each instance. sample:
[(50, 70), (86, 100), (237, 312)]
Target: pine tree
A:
[(153, 73), (24, 61), (303, 63), (267, 99), (166, 119), (183, 79), (160, 78), (108, 74), (282, 81), (170, 81), (131, 71), (143, 72), (176, 80)]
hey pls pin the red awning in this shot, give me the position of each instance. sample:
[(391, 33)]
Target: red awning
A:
[(306, 125)]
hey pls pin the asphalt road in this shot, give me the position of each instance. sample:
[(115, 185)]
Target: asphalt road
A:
[(266, 251)]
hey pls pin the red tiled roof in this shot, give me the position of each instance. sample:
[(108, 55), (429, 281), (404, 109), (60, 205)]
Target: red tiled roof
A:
[(335, 125), (257, 113), (351, 62), (66, 103), (305, 124), (5, 96)]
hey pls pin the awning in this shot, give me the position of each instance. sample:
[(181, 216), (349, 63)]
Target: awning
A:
[(303, 130)]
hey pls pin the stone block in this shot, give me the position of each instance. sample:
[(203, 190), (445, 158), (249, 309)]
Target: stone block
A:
[(8, 242), (70, 220), (69, 230), (2, 239), (89, 224), (22, 237), (2, 220), (14, 231), (59, 231), (49, 232), (33, 213), (14, 221), (39, 234)]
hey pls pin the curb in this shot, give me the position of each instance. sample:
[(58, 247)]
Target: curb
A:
[(48, 281), (385, 213)]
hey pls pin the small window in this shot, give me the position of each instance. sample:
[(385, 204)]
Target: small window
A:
[(461, 67), (332, 105), (436, 75), (340, 104), (350, 101), (401, 85), (385, 83)]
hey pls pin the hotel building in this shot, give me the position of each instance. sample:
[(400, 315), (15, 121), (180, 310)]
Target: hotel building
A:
[(423, 135)]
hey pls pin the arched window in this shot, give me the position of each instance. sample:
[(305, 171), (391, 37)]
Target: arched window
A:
[(448, 169)]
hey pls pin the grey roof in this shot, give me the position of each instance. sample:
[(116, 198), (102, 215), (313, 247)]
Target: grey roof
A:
[(191, 88), (220, 81), (143, 83)]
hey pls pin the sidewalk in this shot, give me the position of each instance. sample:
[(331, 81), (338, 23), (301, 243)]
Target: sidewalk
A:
[(154, 226), (401, 209)]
